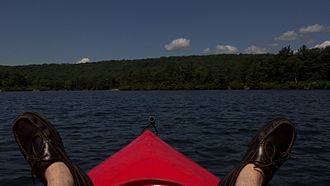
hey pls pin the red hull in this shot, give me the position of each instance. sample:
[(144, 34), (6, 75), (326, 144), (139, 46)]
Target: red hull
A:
[(150, 161)]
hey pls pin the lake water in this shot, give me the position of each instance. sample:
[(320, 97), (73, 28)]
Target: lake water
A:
[(212, 128)]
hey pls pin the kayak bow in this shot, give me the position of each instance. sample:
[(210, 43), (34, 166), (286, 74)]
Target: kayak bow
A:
[(149, 161)]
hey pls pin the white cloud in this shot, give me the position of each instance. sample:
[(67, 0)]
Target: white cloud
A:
[(221, 49), (207, 51), (255, 50), (287, 36), (84, 60), (225, 49), (314, 28), (178, 44), (322, 45)]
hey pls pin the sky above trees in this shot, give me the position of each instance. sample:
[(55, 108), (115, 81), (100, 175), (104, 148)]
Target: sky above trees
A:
[(36, 32)]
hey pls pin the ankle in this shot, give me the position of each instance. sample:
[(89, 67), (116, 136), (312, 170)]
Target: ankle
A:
[(250, 175), (58, 174)]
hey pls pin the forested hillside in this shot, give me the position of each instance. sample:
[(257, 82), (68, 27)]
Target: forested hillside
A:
[(305, 69)]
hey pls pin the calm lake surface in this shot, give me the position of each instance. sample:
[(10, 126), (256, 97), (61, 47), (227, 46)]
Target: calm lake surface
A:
[(212, 128)]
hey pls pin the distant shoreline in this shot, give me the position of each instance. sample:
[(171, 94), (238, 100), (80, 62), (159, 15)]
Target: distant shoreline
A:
[(304, 69), (127, 90)]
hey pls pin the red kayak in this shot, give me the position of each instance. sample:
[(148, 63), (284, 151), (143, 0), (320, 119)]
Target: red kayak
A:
[(149, 161)]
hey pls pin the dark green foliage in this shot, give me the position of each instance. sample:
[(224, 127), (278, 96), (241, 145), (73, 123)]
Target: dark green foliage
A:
[(285, 52), (306, 69)]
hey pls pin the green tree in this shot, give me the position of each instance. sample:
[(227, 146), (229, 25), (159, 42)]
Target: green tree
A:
[(285, 52)]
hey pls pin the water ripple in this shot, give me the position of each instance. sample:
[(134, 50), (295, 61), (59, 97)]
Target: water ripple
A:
[(212, 128)]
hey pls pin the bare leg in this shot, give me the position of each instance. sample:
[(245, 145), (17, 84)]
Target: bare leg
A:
[(268, 150), (250, 176), (41, 145), (58, 174)]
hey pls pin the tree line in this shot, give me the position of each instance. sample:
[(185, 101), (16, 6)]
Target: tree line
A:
[(303, 69)]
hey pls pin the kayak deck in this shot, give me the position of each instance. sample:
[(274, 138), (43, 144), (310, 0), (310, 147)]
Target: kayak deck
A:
[(148, 160)]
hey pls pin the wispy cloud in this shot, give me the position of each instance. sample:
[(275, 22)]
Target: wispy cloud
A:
[(302, 32), (322, 45), (314, 28), (178, 44), (255, 50), (84, 60), (225, 49), (287, 36), (207, 51), (221, 49)]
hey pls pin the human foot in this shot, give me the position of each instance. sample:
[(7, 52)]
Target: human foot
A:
[(267, 151), (41, 145)]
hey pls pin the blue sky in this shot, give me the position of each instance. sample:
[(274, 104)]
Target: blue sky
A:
[(44, 31)]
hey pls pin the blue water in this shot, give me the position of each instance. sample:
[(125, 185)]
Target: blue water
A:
[(212, 128)]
